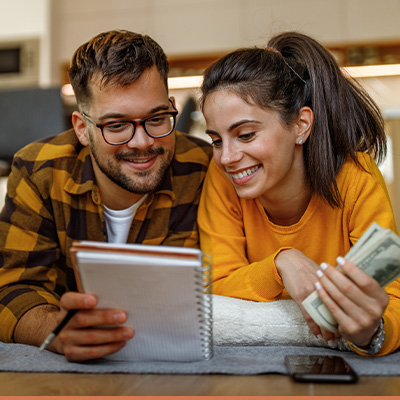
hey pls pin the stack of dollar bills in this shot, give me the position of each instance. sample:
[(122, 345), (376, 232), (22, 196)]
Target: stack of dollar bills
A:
[(377, 253)]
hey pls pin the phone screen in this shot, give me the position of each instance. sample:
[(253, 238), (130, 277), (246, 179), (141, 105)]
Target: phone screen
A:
[(306, 368)]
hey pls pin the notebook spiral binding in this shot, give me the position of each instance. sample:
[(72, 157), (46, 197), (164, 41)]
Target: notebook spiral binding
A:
[(203, 278)]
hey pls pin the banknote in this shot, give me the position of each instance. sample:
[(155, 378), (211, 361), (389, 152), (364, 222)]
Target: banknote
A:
[(373, 233), (377, 253)]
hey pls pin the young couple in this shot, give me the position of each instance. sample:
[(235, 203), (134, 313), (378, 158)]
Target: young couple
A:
[(293, 184)]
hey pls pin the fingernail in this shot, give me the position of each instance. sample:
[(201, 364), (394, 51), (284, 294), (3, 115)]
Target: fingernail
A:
[(119, 317), (324, 266), (318, 286), (90, 301), (320, 274), (341, 261), (331, 343), (128, 333), (320, 337)]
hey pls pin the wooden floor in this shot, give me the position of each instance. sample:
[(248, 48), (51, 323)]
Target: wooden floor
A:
[(68, 384)]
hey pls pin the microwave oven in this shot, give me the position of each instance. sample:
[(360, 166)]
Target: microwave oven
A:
[(19, 63)]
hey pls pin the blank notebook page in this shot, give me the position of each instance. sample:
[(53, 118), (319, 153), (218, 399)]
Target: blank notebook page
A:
[(163, 298)]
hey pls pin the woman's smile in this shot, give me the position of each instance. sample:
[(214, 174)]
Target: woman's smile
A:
[(243, 176), (256, 151)]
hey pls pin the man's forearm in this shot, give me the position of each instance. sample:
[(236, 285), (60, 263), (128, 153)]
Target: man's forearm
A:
[(35, 325)]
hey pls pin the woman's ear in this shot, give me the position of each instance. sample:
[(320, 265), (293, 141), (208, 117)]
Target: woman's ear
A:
[(304, 124), (80, 126)]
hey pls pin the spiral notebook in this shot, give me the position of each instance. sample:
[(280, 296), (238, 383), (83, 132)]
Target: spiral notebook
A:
[(165, 291)]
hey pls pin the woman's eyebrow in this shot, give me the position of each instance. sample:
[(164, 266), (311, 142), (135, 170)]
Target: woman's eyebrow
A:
[(211, 132), (235, 125), (242, 122)]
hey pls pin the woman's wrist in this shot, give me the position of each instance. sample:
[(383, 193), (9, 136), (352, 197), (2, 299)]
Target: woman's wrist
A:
[(376, 342)]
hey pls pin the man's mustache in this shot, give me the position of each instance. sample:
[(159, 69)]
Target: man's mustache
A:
[(138, 154)]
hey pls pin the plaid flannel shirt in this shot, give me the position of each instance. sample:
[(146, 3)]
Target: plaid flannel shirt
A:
[(53, 200)]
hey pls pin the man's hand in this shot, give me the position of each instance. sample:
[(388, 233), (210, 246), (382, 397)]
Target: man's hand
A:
[(81, 339)]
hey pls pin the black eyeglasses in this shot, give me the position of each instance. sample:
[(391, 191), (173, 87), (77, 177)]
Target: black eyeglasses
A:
[(120, 132)]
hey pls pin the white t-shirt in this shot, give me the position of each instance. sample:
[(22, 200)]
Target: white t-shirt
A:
[(118, 222)]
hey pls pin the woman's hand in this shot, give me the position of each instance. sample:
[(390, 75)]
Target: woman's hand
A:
[(298, 273), (355, 299)]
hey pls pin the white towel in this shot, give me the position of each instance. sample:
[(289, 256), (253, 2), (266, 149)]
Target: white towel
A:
[(276, 323)]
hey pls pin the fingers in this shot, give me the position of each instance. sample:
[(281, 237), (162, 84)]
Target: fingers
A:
[(95, 336), (86, 344), (363, 281), (298, 274), (91, 333), (88, 316), (317, 331), (78, 301), (81, 354), (330, 337), (96, 317), (353, 290), (346, 323), (355, 299), (339, 291), (314, 328)]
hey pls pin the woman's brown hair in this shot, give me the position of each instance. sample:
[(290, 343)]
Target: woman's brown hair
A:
[(294, 71)]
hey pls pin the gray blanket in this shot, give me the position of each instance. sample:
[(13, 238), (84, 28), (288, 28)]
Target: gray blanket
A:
[(233, 360)]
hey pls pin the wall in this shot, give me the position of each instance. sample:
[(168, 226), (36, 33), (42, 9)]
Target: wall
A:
[(185, 27), (21, 19), (393, 129), (214, 26)]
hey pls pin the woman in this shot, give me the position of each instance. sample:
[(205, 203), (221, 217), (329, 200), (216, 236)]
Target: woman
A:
[(294, 184)]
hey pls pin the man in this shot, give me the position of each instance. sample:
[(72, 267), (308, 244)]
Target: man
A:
[(121, 175)]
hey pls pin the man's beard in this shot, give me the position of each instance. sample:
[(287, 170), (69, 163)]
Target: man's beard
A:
[(143, 182)]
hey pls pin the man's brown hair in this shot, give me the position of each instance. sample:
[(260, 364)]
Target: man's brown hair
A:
[(114, 57)]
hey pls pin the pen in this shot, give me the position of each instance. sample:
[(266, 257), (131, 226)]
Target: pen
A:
[(58, 329)]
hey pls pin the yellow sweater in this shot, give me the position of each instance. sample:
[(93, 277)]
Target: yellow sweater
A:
[(243, 242)]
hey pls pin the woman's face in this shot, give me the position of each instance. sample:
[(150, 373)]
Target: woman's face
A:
[(259, 155)]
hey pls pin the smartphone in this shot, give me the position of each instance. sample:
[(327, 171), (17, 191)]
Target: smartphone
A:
[(307, 368)]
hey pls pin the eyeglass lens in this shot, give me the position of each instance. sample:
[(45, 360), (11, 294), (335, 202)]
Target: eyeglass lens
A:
[(156, 126)]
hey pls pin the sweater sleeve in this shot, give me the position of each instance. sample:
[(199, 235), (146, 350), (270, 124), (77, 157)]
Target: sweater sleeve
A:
[(371, 203), (367, 200), (391, 319), (222, 237)]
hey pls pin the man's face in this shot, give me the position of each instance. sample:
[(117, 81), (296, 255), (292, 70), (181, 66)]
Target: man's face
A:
[(139, 165)]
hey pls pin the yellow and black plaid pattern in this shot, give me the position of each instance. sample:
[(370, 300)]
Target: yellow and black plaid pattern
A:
[(53, 200)]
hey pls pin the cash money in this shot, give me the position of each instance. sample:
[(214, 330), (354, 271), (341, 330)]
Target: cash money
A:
[(377, 253)]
